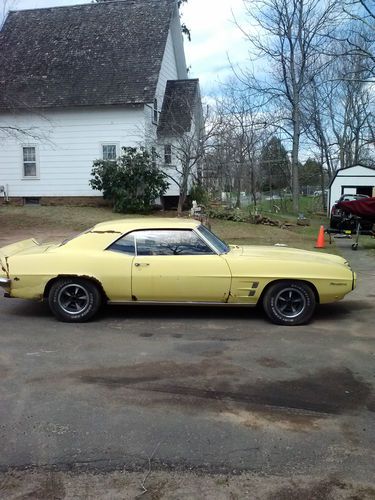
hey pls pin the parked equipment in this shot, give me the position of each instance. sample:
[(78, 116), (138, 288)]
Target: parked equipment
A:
[(359, 219)]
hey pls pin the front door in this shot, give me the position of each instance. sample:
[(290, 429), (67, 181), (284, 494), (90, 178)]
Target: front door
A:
[(176, 265)]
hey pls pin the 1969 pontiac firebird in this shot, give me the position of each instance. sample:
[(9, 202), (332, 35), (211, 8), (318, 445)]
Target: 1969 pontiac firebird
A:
[(157, 260)]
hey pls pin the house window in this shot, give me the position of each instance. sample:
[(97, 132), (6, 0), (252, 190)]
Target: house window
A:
[(153, 157), (167, 154), (155, 111), (109, 152), (29, 161)]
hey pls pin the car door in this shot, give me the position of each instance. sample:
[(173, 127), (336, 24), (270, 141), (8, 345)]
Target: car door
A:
[(176, 265), (116, 269)]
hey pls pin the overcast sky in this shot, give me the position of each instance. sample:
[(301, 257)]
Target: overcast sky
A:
[(215, 38)]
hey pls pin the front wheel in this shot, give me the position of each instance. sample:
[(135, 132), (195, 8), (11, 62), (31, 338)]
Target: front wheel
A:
[(74, 300), (289, 303)]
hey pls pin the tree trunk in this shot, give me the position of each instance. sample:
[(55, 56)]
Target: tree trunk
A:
[(183, 195), (322, 183), (181, 203), (295, 150)]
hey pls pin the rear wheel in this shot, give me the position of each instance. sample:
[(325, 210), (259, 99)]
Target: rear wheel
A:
[(289, 303), (74, 300)]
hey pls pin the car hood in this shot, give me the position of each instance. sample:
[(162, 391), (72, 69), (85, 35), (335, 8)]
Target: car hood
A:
[(287, 254)]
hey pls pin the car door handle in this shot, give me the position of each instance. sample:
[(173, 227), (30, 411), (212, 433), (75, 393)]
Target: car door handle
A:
[(143, 264)]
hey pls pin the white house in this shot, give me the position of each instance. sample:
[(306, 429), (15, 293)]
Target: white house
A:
[(77, 83), (357, 179)]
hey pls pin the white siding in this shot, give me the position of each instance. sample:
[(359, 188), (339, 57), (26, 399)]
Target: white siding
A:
[(168, 70), (351, 177), (173, 66), (178, 44), (68, 142)]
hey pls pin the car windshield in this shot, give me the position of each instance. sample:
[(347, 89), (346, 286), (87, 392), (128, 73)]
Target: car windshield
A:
[(216, 242), (353, 197)]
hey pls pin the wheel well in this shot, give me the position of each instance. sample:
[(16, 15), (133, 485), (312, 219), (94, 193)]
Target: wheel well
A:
[(87, 278), (313, 288)]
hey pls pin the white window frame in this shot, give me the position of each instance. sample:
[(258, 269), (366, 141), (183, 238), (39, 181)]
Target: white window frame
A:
[(169, 154), (30, 177), (111, 143)]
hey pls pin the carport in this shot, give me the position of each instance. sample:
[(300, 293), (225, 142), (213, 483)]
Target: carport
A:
[(357, 179)]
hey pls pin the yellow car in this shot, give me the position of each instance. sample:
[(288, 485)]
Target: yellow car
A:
[(161, 260)]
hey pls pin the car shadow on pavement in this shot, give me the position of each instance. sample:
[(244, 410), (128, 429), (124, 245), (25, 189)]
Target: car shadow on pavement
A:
[(326, 312), (180, 312)]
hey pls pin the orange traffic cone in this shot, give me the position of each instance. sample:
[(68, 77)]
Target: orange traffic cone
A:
[(320, 241)]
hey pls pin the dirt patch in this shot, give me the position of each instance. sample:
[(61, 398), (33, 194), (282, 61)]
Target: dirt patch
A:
[(326, 392), (172, 485), (4, 371), (271, 363), (371, 404), (223, 388), (324, 490), (51, 486), (151, 372)]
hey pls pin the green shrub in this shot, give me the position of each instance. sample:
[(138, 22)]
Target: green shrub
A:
[(199, 194), (131, 183)]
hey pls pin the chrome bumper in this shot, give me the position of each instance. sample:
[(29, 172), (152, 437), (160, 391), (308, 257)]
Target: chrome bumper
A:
[(4, 282)]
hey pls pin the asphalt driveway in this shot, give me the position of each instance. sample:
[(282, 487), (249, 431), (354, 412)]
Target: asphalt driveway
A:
[(210, 390)]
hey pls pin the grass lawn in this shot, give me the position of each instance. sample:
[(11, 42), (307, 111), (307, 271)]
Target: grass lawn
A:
[(307, 205), (30, 218)]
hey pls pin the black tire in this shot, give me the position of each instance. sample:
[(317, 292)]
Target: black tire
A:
[(289, 303), (333, 224), (74, 300)]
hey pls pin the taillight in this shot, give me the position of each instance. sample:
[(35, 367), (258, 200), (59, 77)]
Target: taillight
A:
[(335, 210)]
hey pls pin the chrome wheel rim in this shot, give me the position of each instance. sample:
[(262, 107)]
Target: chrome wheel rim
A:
[(73, 299), (290, 303)]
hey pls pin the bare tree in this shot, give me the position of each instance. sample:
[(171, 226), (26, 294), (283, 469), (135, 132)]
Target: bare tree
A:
[(360, 38), (289, 40), (339, 111), (188, 147), (238, 141)]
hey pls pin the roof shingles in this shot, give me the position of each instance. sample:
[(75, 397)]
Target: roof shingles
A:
[(84, 55), (180, 99)]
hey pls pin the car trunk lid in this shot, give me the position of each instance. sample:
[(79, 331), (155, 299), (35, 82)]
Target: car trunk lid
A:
[(25, 246)]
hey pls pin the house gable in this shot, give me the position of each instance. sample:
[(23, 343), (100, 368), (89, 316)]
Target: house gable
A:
[(84, 55), (82, 77)]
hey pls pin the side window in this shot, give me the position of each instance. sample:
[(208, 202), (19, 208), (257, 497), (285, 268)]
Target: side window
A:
[(170, 242), (109, 152), (167, 154), (124, 245), (29, 162), (153, 156)]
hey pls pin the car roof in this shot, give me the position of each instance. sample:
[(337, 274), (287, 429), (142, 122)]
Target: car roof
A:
[(124, 225)]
